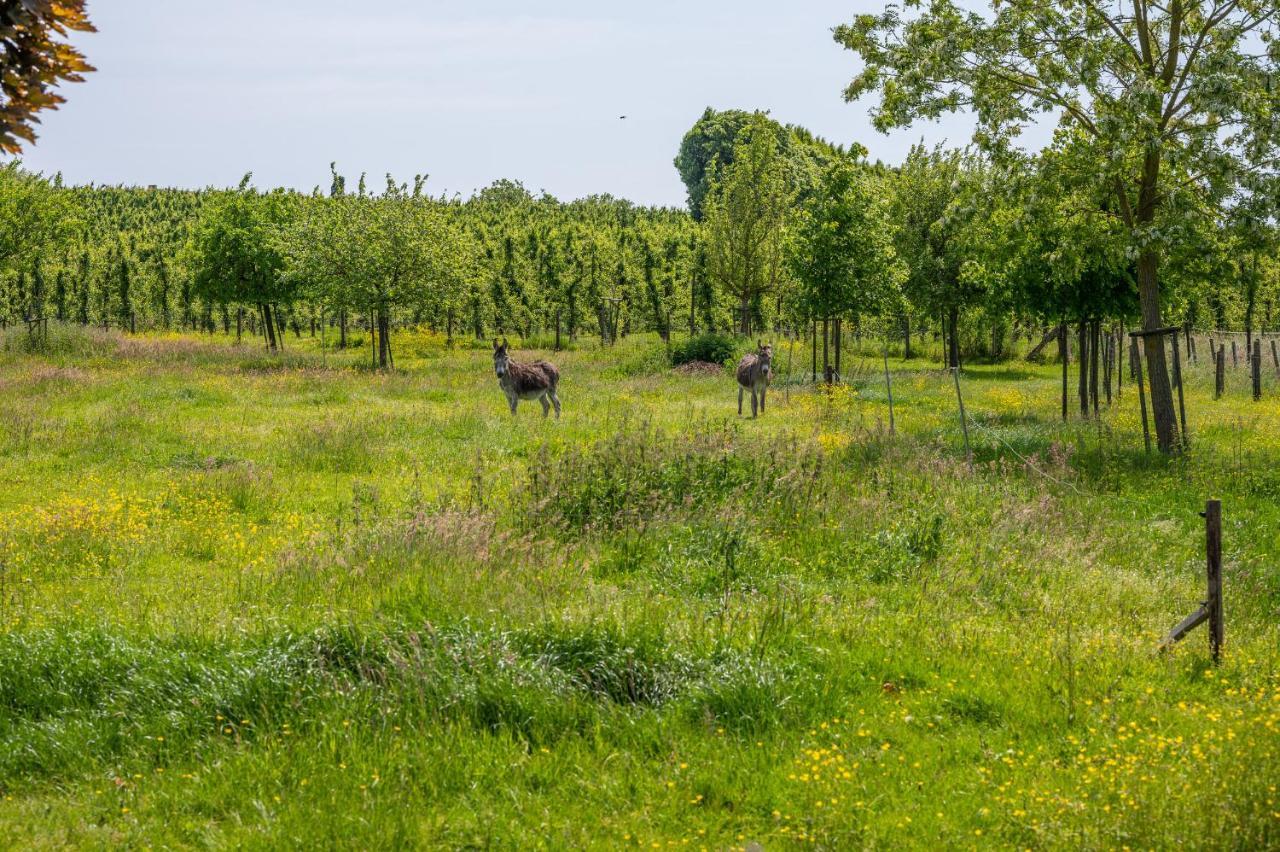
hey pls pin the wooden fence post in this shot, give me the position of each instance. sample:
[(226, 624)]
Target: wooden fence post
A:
[(1275, 355), (1177, 378), (1256, 365), (1235, 360), (888, 387), (1213, 554), (1065, 355), (1135, 358), (1220, 373), (964, 422), (1211, 609)]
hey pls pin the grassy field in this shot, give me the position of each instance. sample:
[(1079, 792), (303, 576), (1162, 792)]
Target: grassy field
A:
[(265, 602)]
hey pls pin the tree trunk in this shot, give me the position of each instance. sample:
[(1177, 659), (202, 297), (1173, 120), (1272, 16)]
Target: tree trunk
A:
[(906, 337), (745, 307), (342, 328), (1153, 348), (268, 326), (384, 339)]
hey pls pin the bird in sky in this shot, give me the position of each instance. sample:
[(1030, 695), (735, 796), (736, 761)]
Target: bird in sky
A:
[(622, 116)]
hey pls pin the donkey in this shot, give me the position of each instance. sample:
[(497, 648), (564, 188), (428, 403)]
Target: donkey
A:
[(538, 380), (753, 374)]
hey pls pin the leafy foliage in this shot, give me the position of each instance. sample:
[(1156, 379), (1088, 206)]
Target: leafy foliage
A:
[(36, 58)]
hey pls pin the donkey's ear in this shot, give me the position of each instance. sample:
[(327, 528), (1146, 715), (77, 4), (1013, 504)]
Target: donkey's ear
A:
[(759, 345), (496, 347), (504, 343)]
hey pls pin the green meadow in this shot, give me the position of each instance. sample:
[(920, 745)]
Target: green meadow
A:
[(289, 601)]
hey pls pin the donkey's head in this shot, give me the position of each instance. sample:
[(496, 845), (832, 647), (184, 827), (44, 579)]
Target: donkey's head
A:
[(501, 358), (764, 357)]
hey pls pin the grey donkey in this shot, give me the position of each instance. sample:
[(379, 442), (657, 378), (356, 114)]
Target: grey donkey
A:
[(754, 371), (538, 380)]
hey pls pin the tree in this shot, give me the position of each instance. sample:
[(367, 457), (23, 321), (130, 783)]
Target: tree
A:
[(715, 136), (34, 58), (237, 256), (840, 250), (35, 220), (375, 252), (1165, 94), (929, 192), (744, 214)]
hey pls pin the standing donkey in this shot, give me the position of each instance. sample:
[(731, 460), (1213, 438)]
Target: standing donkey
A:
[(753, 374), (538, 380)]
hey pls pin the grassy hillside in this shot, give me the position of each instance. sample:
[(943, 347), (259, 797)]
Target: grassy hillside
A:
[(262, 602)]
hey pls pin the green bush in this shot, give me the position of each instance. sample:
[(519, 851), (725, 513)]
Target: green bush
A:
[(712, 348)]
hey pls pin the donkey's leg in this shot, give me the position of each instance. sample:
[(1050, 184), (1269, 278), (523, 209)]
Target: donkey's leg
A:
[(555, 400), (739, 400), (753, 403), (546, 406), (762, 391), (513, 400)]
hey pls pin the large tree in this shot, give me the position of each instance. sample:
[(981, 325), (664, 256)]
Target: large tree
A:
[(931, 193), (34, 58), (1167, 94), (840, 250), (744, 211), (716, 134), (236, 253), (379, 253)]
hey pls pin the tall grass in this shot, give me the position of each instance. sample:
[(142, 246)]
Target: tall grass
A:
[(256, 601)]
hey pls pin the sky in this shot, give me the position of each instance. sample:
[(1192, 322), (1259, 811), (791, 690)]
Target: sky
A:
[(193, 93)]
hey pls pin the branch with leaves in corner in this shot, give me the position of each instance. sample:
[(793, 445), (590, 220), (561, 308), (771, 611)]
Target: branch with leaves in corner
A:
[(35, 58)]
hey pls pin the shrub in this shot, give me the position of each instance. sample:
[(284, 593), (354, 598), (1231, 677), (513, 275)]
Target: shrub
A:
[(712, 348)]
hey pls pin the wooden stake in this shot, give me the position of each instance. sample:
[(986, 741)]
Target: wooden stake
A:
[(1177, 378), (888, 386), (1213, 554), (964, 423), (1211, 608), (1135, 358), (1062, 351), (1256, 366), (1220, 373)]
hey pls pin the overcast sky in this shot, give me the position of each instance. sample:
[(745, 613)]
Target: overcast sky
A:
[(195, 93)]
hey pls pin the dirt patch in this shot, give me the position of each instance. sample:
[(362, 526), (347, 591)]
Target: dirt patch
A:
[(700, 368)]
